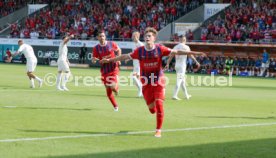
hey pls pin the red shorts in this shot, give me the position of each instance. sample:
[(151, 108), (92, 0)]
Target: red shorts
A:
[(153, 92), (110, 79)]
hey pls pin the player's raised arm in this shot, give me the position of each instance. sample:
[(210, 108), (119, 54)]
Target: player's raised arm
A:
[(184, 52), (118, 58), (67, 38)]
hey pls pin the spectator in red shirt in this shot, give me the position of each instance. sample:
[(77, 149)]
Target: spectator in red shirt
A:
[(8, 57)]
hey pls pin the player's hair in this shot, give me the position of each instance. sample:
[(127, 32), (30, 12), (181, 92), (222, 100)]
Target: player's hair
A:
[(183, 38), (136, 32), (152, 30), (20, 40), (100, 31)]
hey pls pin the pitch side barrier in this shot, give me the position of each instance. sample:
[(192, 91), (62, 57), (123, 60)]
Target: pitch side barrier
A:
[(41, 47), (230, 49)]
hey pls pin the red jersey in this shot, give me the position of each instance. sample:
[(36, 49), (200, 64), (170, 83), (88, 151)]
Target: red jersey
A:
[(106, 52), (150, 61), (8, 53)]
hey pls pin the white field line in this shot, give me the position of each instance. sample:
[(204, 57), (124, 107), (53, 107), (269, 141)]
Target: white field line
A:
[(85, 90), (136, 133)]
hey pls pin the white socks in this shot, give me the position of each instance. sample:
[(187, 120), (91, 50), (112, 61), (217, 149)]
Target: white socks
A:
[(177, 86), (32, 83), (59, 76), (180, 82), (138, 84), (38, 79), (184, 88), (65, 79)]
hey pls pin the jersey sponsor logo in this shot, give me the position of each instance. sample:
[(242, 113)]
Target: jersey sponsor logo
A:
[(151, 65)]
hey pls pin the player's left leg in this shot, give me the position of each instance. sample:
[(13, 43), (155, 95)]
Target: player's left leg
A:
[(136, 78), (179, 79), (31, 77), (184, 88), (159, 96), (111, 97), (159, 116), (31, 65), (113, 84), (63, 66), (59, 77), (65, 80)]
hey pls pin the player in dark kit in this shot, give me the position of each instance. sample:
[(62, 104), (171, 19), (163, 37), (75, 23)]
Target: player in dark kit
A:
[(109, 71), (82, 53), (152, 76)]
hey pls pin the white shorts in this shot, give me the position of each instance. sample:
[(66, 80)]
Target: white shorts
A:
[(31, 65), (136, 66), (63, 65), (181, 70), (265, 65)]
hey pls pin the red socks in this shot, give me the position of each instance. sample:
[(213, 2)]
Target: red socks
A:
[(158, 109), (111, 97), (159, 114)]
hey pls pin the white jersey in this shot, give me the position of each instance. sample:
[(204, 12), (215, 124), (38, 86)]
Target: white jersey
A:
[(28, 52), (137, 45), (181, 60), (62, 51), (136, 66)]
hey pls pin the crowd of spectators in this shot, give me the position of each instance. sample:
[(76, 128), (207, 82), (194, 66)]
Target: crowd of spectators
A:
[(9, 6), (246, 21), (239, 66), (85, 17)]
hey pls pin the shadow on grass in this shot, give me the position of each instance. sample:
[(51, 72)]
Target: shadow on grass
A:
[(245, 117), (263, 148), (104, 95), (50, 108), (254, 87), (120, 133)]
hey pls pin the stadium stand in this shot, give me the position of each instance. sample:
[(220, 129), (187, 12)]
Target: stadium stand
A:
[(9, 6), (118, 18), (247, 21)]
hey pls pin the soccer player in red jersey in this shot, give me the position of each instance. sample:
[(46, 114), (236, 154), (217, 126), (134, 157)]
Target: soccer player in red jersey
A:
[(152, 77), (109, 71)]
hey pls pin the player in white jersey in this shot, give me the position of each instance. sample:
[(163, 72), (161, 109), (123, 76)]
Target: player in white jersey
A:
[(28, 52), (136, 65), (180, 68), (63, 64)]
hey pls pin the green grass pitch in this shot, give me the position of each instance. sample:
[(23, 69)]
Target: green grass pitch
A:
[(237, 121)]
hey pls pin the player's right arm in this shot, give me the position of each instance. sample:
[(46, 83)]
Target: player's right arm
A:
[(185, 52), (67, 38), (18, 51), (118, 58), (168, 62), (15, 54), (95, 57), (194, 59), (133, 55)]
